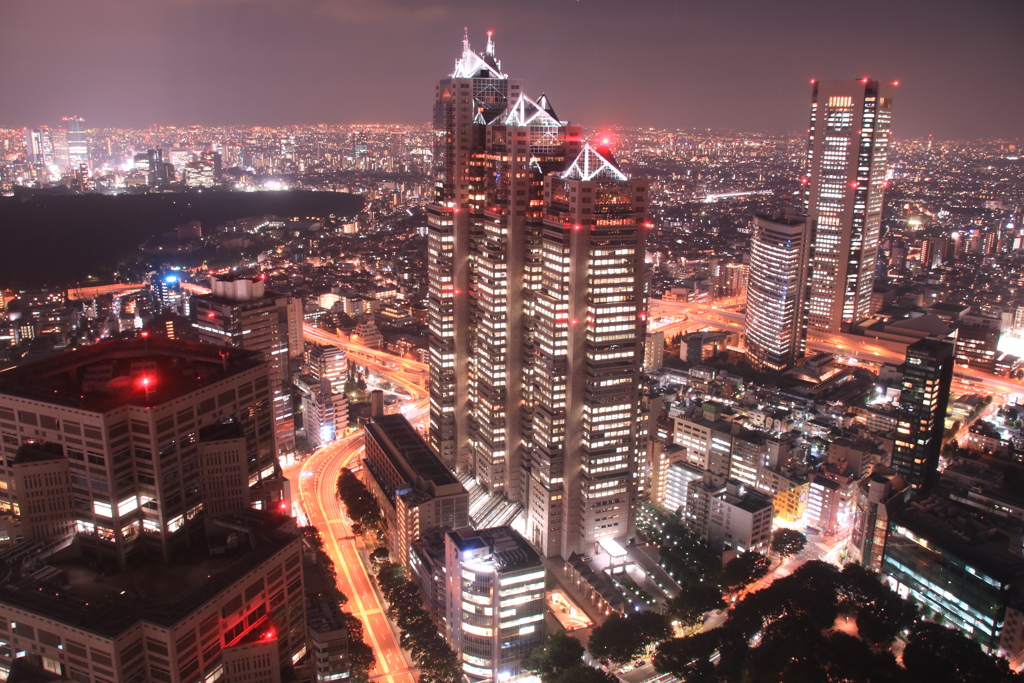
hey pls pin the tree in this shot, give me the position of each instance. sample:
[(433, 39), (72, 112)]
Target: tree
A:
[(359, 503), (937, 654), (693, 602), (787, 542), (621, 639), (559, 652), (743, 570), (360, 655), (581, 673), (683, 656)]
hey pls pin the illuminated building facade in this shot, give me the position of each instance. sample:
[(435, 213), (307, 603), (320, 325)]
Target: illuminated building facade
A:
[(537, 305), (240, 312), (927, 377), (134, 440), (846, 176), (495, 601), (417, 493), (230, 608), (588, 305), (944, 557), (78, 145), (476, 92), (775, 334), (38, 145)]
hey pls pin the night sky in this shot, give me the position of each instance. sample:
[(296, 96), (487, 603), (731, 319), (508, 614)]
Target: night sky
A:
[(727, 64)]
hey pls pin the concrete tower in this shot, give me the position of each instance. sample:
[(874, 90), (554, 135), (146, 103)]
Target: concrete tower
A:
[(846, 166)]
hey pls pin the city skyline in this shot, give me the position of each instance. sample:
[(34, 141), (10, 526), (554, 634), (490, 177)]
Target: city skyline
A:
[(701, 68)]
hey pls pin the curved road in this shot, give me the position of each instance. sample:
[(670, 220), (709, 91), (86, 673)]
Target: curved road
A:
[(317, 494)]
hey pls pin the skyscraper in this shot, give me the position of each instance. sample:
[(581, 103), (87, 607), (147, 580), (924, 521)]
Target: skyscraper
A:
[(927, 376), (775, 333), (78, 145), (846, 168), (588, 322), (38, 145), (240, 312), (537, 301), (476, 92)]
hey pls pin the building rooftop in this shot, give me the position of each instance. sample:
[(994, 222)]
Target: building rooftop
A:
[(976, 538), (413, 450), (504, 547), (112, 374), (105, 601)]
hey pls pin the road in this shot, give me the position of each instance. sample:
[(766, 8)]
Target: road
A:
[(683, 316), (317, 496)]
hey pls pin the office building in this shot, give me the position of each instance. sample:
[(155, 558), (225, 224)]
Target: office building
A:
[(329, 363), (416, 492), (495, 601), (128, 443), (707, 443), (38, 146), (977, 342), (240, 312), (77, 143), (654, 351), (740, 520), (229, 607), (523, 346), (324, 414), (476, 91), (846, 176), (959, 564), (775, 333), (876, 498), (927, 377)]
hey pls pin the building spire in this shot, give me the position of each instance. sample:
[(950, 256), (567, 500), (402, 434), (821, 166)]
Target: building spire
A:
[(465, 39), (490, 43)]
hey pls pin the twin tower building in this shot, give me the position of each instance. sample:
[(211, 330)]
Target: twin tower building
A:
[(537, 301), (538, 292)]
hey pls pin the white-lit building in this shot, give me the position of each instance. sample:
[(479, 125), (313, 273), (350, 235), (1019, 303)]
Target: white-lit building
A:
[(775, 335), (495, 601), (847, 163)]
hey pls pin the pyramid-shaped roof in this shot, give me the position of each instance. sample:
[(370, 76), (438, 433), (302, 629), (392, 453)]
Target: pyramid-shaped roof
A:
[(473, 65), (526, 112), (590, 164)]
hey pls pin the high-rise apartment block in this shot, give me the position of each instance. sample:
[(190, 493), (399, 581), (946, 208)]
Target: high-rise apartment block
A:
[(495, 601), (846, 176), (776, 336), (537, 308), (240, 312), (927, 377)]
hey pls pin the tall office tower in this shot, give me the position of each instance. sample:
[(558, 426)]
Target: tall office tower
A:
[(78, 145), (476, 92), (38, 145), (494, 601), (240, 312), (588, 311), (510, 382), (846, 168), (129, 443), (776, 336), (927, 376)]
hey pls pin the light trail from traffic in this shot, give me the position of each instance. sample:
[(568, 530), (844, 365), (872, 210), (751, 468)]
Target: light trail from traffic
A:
[(318, 498)]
